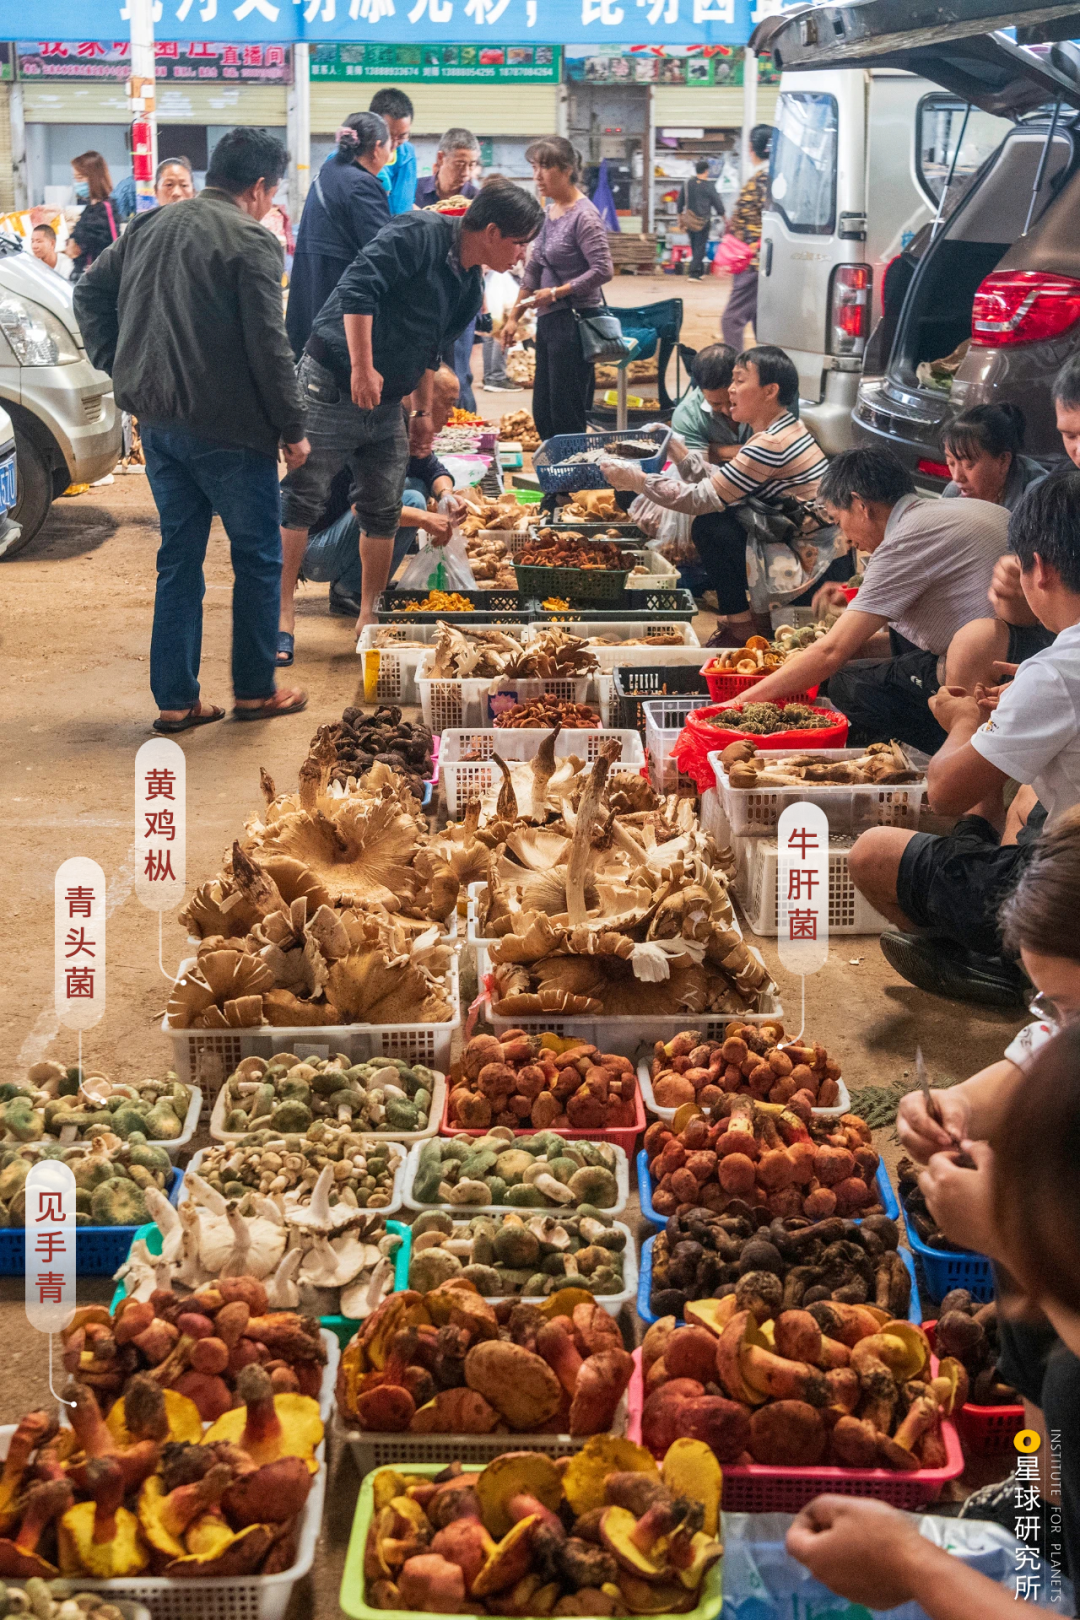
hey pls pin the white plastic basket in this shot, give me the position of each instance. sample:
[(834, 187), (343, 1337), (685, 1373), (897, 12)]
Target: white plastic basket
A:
[(254, 1597), (712, 818), (210, 1055), (754, 812), (398, 666), (622, 1179), (612, 1303), (178, 1144), (668, 1114), (625, 1035), (687, 650), (665, 718), (218, 1133), (756, 889), (471, 779), (459, 701), (221, 1137), (405, 1451)]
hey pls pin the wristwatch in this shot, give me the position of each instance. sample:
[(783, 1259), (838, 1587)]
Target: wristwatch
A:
[(414, 414)]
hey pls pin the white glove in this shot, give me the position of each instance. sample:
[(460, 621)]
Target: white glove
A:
[(623, 475)]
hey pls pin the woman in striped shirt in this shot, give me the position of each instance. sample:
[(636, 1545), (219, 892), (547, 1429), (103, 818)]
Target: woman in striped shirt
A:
[(780, 457)]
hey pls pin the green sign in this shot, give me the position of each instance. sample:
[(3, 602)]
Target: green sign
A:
[(439, 64)]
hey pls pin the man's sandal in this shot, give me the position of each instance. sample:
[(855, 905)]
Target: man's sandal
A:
[(289, 700), (189, 721)]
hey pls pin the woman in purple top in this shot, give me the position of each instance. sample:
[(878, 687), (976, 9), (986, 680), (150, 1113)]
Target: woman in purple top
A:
[(569, 263)]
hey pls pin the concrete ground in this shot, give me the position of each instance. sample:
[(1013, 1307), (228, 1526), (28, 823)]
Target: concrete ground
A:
[(74, 665)]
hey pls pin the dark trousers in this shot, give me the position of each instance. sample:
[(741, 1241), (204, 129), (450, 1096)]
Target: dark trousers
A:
[(698, 242), (191, 479), (720, 540), (889, 698), (563, 389), (740, 308)]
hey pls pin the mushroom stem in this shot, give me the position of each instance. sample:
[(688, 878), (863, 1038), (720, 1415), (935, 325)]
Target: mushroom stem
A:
[(543, 769), (506, 806), (577, 864)]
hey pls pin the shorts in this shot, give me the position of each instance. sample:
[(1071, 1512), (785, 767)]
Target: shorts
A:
[(954, 885), (373, 444), (886, 698)]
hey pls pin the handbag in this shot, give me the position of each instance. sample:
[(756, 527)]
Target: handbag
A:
[(688, 220), (601, 336), (732, 255)]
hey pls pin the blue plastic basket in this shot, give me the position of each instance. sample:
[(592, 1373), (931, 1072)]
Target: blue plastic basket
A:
[(952, 1268), (343, 1327), (644, 1292), (645, 1187), (99, 1250), (554, 479)]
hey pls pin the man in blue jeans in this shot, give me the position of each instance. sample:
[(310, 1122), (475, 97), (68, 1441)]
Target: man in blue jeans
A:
[(332, 554), (184, 311)]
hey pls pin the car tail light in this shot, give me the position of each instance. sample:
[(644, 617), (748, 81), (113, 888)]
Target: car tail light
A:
[(1023, 306), (849, 308), (935, 469)]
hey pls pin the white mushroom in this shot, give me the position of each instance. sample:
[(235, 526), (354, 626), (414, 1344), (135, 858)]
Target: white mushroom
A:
[(282, 1293), (319, 1217), (166, 1220)]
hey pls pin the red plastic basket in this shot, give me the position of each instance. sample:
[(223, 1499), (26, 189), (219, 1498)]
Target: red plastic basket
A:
[(985, 1431), (761, 1488), (698, 739), (724, 684), (624, 1136), (850, 591)]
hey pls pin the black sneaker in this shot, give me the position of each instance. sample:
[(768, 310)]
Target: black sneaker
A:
[(342, 605), (943, 968), (994, 1502)]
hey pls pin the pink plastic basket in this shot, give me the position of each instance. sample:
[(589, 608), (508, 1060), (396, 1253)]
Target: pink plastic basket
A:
[(624, 1136), (985, 1431), (761, 1488)]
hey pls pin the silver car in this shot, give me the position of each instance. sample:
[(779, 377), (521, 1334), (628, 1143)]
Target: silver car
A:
[(66, 425)]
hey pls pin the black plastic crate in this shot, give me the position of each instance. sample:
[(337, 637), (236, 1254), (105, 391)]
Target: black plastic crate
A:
[(636, 607), (500, 607), (635, 686)]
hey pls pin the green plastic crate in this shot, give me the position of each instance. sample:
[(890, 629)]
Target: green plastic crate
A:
[(351, 1596), (584, 584)]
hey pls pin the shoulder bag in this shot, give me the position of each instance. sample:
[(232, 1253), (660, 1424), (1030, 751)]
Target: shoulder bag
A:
[(688, 220), (601, 336)]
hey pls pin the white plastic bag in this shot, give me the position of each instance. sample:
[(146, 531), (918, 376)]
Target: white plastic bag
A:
[(438, 568)]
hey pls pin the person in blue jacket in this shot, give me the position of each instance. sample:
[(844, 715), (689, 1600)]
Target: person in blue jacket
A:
[(399, 176), (345, 208)]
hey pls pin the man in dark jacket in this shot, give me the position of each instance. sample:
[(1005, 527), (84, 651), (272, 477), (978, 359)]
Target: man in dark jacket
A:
[(376, 341), (700, 198), (184, 311)]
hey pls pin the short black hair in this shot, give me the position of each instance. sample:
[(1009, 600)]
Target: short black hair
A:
[(243, 157), (510, 209), (391, 103), (1046, 521), (761, 140), (1066, 387), (701, 166), (46, 230), (872, 474), (993, 430), (774, 366), (712, 367)]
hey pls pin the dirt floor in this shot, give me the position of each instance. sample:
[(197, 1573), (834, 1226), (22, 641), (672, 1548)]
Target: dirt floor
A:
[(74, 665)]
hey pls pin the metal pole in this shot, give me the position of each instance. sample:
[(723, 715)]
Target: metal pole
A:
[(749, 112), (1041, 170), (142, 95), (620, 399), (17, 118), (648, 161), (949, 177), (299, 130)]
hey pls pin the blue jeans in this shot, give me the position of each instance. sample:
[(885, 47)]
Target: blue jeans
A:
[(334, 555), (192, 478), (463, 349)]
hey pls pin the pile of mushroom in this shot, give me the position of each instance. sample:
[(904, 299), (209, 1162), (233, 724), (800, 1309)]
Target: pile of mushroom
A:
[(533, 1255), (526, 1172), (68, 1104), (312, 1243), (288, 1093), (111, 1177)]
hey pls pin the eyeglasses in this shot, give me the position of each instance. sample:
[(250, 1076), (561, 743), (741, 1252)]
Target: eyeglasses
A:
[(1045, 1007)]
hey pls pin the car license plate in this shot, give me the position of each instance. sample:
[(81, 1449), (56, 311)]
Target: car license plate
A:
[(7, 483)]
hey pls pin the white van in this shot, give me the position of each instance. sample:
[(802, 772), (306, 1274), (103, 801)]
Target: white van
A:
[(860, 162)]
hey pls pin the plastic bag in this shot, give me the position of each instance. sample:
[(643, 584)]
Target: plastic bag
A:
[(438, 568)]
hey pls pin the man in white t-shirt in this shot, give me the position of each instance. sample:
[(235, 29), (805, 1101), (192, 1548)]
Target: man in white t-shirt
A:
[(945, 892)]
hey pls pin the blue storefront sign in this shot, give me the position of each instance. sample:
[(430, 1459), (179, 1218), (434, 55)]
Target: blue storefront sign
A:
[(558, 22)]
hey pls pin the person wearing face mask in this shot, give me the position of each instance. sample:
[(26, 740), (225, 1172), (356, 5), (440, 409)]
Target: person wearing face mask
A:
[(97, 225), (184, 313), (345, 208)]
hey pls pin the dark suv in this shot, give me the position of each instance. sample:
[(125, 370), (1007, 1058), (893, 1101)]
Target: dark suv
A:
[(1001, 271)]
